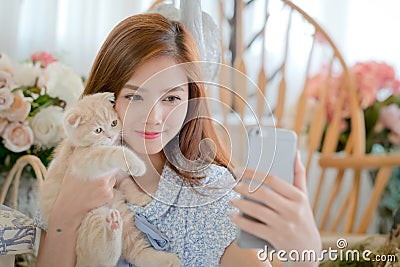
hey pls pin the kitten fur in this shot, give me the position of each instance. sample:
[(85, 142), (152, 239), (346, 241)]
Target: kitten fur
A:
[(90, 150)]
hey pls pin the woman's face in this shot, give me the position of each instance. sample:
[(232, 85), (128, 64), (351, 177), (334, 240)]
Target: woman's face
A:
[(152, 105)]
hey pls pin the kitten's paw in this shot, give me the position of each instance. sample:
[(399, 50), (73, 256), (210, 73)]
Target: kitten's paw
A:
[(99, 240), (151, 257), (167, 259), (136, 167), (114, 220)]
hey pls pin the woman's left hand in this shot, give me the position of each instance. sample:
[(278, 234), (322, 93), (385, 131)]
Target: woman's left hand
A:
[(287, 219)]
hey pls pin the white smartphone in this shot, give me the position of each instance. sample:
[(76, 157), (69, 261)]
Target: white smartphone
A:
[(271, 150)]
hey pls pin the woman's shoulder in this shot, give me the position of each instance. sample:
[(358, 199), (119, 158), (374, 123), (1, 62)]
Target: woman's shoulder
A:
[(212, 174), (217, 186), (218, 174)]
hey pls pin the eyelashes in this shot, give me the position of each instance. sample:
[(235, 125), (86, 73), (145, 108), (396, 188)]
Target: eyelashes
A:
[(169, 99)]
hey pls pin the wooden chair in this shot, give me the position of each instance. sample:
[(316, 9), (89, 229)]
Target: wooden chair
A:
[(319, 141)]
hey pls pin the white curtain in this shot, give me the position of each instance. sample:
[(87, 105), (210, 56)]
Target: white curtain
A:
[(72, 29), (75, 29), (362, 29)]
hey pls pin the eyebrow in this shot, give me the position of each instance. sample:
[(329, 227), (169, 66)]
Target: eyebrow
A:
[(136, 88)]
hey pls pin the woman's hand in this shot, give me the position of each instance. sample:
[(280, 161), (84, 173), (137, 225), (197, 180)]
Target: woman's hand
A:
[(287, 220), (77, 197)]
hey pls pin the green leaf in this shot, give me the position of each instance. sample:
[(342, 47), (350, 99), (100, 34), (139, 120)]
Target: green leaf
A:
[(20, 88), (371, 116), (34, 90)]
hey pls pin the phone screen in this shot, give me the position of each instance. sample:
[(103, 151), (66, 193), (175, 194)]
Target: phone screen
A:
[(271, 150)]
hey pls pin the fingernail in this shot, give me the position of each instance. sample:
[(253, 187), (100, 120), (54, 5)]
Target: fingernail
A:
[(233, 201)]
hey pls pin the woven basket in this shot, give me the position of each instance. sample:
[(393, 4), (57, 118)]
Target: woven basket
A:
[(15, 176), (14, 254)]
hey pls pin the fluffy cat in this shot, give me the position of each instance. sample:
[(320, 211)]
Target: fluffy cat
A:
[(91, 150)]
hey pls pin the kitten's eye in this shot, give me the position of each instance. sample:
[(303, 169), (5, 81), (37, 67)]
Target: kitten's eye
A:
[(98, 130), (114, 123)]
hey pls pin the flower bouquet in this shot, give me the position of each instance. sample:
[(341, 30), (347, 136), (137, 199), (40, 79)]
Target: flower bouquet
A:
[(33, 96)]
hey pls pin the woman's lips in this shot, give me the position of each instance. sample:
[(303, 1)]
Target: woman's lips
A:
[(150, 135)]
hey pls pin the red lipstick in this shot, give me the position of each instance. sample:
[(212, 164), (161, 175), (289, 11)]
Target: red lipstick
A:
[(150, 135)]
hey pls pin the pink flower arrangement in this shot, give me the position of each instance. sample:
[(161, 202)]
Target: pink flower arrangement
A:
[(371, 77), (379, 96), (33, 95)]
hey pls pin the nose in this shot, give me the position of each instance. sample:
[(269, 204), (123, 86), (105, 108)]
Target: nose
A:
[(155, 115)]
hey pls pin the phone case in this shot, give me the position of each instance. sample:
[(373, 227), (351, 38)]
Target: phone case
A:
[(270, 150)]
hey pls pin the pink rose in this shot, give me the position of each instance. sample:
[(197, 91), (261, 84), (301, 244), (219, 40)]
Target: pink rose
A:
[(6, 100), (314, 84), (372, 76), (17, 137), (318, 82), (19, 109), (44, 58), (3, 124), (389, 118), (6, 80)]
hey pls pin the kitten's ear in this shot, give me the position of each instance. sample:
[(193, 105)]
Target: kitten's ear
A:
[(109, 97), (74, 119)]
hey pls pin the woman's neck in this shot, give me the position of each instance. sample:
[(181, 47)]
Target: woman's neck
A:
[(156, 162), (154, 166)]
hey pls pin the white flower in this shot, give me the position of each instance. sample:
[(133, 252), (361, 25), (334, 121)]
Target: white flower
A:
[(47, 126), (17, 137), (5, 63), (62, 82), (27, 73)]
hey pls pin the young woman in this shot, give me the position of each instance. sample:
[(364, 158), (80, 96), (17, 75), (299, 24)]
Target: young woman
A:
[(147, 61)]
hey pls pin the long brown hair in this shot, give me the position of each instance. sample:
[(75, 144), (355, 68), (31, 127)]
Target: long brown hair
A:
[(140, 38)]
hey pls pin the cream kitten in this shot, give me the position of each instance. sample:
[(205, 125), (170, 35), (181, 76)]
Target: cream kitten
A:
[(90, 151)]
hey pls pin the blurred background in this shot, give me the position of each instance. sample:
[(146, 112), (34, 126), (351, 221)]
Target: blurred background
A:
[(362, 30), (75, 29)]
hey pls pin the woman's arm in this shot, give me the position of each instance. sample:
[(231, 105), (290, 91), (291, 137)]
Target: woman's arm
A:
[(76, 198), (57, 248), (287, 219), (235, 256)]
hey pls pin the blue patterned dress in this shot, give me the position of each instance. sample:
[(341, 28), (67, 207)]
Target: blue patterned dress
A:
[(195, 222)]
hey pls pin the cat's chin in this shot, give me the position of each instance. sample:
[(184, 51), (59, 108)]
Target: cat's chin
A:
[(106, 143)]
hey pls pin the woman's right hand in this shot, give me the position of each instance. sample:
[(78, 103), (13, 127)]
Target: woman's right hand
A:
[(78, 196), (75, 199)]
